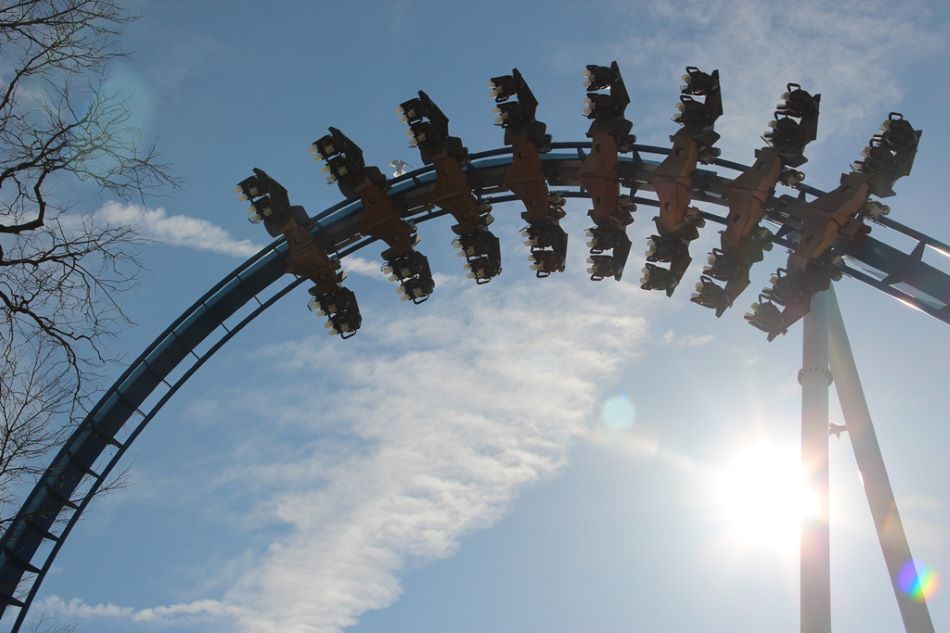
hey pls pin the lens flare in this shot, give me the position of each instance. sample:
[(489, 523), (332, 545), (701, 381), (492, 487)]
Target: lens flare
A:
[(618, 413), (918, 581)]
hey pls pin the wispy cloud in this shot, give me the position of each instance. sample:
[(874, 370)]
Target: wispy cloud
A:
[(357, 265), (175, 230), (437, 461), (430, 437), (189, 232), (75, 609), (361, 266), (852, 52), (692, 340)]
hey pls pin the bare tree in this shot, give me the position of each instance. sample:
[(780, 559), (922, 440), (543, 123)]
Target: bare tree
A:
[(60, 271), (45, 624)]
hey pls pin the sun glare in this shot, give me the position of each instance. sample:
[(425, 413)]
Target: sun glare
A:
[(763, 498)]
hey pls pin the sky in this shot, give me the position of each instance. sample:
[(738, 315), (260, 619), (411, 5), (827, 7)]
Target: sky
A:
[(552, 454)]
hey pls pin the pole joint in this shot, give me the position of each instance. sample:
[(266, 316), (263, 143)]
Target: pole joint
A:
[(804, 371)]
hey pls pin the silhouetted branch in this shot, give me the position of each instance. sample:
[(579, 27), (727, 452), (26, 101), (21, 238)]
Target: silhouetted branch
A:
[(60, 272)]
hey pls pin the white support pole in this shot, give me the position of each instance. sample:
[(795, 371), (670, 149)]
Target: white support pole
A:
[(815, 378), (877, 485)]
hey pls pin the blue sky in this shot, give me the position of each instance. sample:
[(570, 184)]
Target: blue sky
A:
[(449, 468)]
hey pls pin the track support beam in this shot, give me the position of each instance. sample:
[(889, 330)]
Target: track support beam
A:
[(877, 485), (815, 600)]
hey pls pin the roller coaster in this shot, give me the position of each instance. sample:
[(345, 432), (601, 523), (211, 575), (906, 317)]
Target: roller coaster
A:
[(825, 233)]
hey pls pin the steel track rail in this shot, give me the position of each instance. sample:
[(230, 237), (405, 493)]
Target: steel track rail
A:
[(100, 441)]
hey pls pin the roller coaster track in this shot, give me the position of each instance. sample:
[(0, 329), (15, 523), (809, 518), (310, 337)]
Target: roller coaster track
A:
[(34, 537)]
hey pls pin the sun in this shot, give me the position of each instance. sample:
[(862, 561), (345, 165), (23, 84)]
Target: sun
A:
[(762, 496)]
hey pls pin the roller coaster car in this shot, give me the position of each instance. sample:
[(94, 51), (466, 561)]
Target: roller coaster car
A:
[(672, 179), (732, 266), (654, 277), (610, 235), (767, 317), (746, 196), (792, 286), (480, 248), (605, 238), (698, 118), (482, 252), (516, 107), (411, 269), (548, 244), (813, 265), (607, 109), (344, 163), (828, 218), (340, 308), (788, 136), (743, 242), (709, 295), (678, 222), (429, 129), (671, 246), (269, 202), (839, 215), (602, 266), (518, 117), (673, 182), (546, 239), (380, 218), (889, 155), (544, 261), (609, 133), (832, 218), (672, 250), (306, 256), (793, 290)]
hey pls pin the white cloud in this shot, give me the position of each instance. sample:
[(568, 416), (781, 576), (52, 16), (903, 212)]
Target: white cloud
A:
[(78, 610), (362, 266), (692, 340), (75, 608), (175, 230)]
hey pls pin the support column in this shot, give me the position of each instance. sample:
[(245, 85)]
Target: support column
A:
[(815, 377), (877, 485)]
